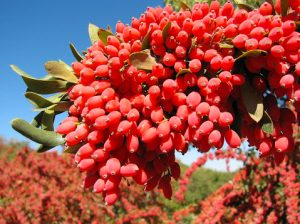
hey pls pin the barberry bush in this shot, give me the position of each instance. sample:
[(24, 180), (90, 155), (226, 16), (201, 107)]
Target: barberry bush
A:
[(203, 76), (45, 189)]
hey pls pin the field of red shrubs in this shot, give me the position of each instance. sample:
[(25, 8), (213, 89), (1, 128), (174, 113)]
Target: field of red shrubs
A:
[(45, 189)]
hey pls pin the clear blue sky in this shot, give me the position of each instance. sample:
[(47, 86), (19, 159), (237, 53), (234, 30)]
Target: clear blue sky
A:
[(35, 31)]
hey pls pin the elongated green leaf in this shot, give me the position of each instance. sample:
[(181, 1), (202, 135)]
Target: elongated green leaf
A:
[(42, 86), (184, 6), (43, 148), (37, 120), (267, 124), (47, 138), (60, 70), (93, 33), (243, 5), (252, 53), (57, 97), (61, 106), (47, 120), (37, 100), (145, 42), (284, 7), (142, 60), (183, 71), (165, 31), (72, 149), (76, 53), (225, 45), (253, 102)]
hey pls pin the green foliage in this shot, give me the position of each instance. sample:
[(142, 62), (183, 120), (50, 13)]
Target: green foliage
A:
[(204, 182)]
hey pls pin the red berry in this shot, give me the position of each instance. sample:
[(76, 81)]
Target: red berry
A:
[(232, 138), (113, 165)]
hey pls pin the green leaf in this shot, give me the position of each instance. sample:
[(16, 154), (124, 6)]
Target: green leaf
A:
[(57, 97), (61, 106), (37, 100), (253, 101), (252, 53), (43, 148), (76, 53), (42, 86), (47, 120), (37, 120), (284, 7), (242, 5), (165, 31), (93, 33), (184, 6), (267, 124), (142, 60), (47, 138), (97, 34), (225, 45), (183, 71), (145, 42), (61, 70), (72, 149)]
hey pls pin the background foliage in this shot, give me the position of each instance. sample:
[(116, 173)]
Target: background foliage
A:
[(44, 188)]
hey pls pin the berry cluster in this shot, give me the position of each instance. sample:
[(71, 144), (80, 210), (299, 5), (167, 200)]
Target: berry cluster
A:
[(177, 78)]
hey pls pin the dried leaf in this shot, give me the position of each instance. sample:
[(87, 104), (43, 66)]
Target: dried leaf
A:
[(253, 102), (142, 60)]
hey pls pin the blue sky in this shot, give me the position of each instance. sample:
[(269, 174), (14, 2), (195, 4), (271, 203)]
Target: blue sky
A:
[(33, 32)]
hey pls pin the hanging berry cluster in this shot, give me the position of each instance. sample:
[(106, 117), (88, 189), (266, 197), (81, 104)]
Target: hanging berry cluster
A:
[(200, 77)]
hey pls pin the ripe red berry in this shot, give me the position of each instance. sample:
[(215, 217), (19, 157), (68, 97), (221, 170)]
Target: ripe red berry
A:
[(113, 165), (86, 164), (163, 129), (206, 128), (282, 144), (239, 40), (129, 170), (215, 138), (100, 155), (195, 65), (193, 100), (266, 9), (149, 135), (99, 186), (203, 109), (287, 81), (232, 138), (66, 127)]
